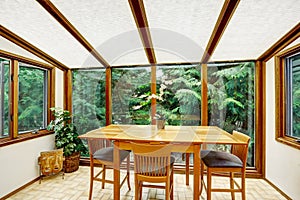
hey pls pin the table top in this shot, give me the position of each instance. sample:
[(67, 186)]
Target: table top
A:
[(172, 134)]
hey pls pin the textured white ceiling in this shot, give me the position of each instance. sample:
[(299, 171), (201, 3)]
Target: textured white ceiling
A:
[(15, 49), (180, 30), (255, 26)]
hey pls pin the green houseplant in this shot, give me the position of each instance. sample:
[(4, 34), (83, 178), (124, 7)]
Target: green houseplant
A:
[(66, 137)]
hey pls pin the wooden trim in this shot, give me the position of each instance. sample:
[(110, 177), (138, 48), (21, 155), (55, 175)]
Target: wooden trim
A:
[(290, 51), (153, 91), (68, 90), (226, 13), (280, 98), (108, 97), (51, 94), (20, 188), (139, 14), (278, 190), (260, 119), (283, 42), (4, 32), (52, 10), (24, 137), (24, 59), (14, 88), (204, 97)]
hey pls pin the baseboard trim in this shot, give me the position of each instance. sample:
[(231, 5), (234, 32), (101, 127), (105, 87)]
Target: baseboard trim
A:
[(277, 189), (19, 189)]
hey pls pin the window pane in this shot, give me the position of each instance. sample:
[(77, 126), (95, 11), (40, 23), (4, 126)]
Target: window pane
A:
[(293, 96), (231, 100), (32, 105), (4, 97), (180, 89), (88, 99), (128, 84)]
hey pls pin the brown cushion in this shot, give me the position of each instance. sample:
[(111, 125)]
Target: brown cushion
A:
[(220, 159), (107, 154)]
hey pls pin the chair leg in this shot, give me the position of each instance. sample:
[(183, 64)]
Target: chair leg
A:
[(136, 188), (103, 176), (128, 172), (172, 185), (187, 169), (140, 189), (168, 190), (201, 177), (91, 179), (243, 186), (208, 184), (232, 185)]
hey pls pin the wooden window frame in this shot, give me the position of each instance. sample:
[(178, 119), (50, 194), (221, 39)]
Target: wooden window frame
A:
[(280, 98), (14, 59)]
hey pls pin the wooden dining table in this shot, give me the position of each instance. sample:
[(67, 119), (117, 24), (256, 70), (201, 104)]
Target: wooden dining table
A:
[(185, 139)]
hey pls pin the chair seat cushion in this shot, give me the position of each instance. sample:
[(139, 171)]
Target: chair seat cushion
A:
[(220, 159), (107, 154)]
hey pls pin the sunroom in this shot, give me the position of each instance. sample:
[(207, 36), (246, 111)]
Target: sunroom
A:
[(224, 63)]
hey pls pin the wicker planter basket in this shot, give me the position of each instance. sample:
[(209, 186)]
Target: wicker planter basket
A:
[(71, 163)]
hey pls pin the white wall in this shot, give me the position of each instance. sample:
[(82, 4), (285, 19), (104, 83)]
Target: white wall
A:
[(59, 88), (282, 161), (19, 164)]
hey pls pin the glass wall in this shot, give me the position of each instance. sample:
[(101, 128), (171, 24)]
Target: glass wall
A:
[(130, 87), (88, 96), (179, 89), (4, 97), (32, 103), (231, 97), (231, 92)]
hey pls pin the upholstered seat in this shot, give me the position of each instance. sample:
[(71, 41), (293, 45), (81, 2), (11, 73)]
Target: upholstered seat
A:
[(107, 154), (220, 159)]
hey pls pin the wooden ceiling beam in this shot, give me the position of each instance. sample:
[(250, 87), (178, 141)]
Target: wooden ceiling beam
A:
[(4, 32), (139, 14), (226, 13), (283, 42), (52, 10)]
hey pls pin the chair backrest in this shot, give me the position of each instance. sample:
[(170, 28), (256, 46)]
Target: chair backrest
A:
[(152, 159), (97, 144), (241, 150)]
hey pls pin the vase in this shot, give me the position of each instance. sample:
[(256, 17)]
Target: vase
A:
[(160, 123)]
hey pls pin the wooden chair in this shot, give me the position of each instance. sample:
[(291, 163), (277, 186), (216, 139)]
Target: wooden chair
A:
[(153, 164), (101, 154), (225, 162)]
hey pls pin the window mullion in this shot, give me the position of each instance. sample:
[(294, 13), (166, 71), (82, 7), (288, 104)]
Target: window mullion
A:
[(14, 99)]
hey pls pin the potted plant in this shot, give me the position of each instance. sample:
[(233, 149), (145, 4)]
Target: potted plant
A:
[(66, 137)]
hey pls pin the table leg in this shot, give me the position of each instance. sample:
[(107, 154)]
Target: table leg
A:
[(196, 171), (116, 171)]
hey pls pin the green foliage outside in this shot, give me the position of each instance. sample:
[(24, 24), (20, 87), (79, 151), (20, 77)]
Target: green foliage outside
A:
[(4, 97), (127, 84), (88, 96), (31, 98)]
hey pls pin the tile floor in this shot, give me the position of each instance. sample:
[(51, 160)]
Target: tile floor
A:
[(76, 186)]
